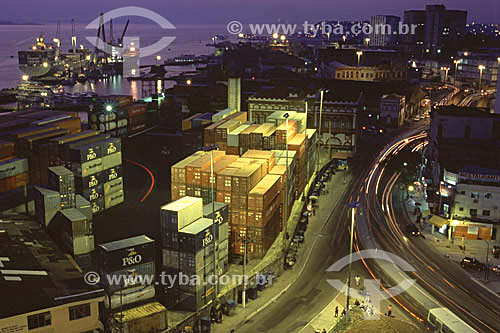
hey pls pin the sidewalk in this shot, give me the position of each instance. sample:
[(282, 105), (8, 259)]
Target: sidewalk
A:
[(457, 249), (285, 280)]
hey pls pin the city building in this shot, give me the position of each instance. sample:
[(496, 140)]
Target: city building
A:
[(338, 128), (371, 73), (384, 27), (474, 67), (393, 110), (267, 101), (47, 291), (437, 28), (462, 139)]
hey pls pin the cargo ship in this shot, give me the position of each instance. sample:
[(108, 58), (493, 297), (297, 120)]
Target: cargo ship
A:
[(45, 60)]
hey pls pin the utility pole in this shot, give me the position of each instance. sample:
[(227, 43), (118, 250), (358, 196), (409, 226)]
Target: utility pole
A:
[(285, 209), (487, 264), (353, 207), (322, 92), (212, 181)]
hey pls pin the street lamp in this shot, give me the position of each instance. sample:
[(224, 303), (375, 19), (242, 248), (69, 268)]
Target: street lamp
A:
[(285, 210), (353, 206), (445, 69), (212, 184), (321, 92), (456, 62), (367, 41), (109, 108), (359, 54), (481, 69)]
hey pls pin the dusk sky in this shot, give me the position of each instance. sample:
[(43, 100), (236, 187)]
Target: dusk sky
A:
[(223, 11)]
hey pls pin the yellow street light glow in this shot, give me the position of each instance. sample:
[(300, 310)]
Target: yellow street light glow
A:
[(241, 35), (25, 77), (33, 47), (275, 35), (158, 57), (109, 108), (283, 38), (87, 57), (132, 49), (45, 65), (188, 82), (411, 188), (481, 67)]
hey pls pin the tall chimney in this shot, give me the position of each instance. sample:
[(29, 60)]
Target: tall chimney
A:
[(234, 94)]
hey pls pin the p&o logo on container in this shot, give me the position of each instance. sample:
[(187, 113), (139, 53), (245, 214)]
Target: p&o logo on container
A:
[(133, 258), (208, 238)]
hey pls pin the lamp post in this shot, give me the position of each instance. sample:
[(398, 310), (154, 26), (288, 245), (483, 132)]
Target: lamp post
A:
[(285, 209), (481, 69), (212, 184), (456, 62), (445, 69), (321, 92), (359, 54), (487, 264), (353, 207), (367, 41)]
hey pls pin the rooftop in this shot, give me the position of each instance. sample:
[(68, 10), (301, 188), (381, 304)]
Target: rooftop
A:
[(197, 226), (125, 243), (465, 111), (34, 270)]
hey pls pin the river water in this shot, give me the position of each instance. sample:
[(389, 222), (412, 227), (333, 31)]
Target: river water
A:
[(190, 39)]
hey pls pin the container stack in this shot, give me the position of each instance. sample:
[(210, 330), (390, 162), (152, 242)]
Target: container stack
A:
[(298, 144), (222, 219), (202, 120), (288, 186), (137, 117), (47, 204), (13, 174), (73, 232), (62, 181), (233, 142), (187, 123), (188, 247), (210, 135), (126, 260), (194, 173), (206, 184), (244, 139), (281, 134), (263, 219)]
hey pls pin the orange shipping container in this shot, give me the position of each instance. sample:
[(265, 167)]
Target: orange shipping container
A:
[(219, 165), (281, 132), (194, 168), (261, 154), (263, 194), (178, 170)]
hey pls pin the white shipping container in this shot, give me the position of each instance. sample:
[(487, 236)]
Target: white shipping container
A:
[(223, 231), (83, 245), (188, 209), (233, 138)]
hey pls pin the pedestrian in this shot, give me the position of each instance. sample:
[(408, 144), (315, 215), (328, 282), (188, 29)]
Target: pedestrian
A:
[(324, 330), (356, 303), (343, 312), (336, 311), (389, 310)]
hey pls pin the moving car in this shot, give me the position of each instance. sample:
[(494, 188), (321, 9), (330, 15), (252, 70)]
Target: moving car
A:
[(473, 263), (413, 230), (496, 270)]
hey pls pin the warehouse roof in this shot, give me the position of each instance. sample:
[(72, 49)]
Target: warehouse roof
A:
[(34, 270)]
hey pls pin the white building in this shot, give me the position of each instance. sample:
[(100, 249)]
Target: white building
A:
[(393, 110)]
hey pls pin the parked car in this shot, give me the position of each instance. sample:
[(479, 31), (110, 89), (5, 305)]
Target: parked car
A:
[(413, 230), (472, 263), (496, 269)]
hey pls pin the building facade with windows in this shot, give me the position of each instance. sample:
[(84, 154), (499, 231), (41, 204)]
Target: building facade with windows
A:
[(48, 292), (266, 102), (339, 129), (371, 73), (393, 110)]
